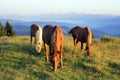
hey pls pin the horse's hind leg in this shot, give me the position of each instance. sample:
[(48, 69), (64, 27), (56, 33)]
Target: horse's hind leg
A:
[(46, 51), (30, 41), (81, 45), (86, 47)]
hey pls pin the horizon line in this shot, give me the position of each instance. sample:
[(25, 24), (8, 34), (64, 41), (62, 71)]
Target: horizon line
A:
[(82, 13)]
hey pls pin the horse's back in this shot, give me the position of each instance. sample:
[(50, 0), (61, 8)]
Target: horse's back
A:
[(85, 35), (75, 31)]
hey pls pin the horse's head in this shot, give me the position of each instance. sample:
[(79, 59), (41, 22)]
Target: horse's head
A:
[(55, 59), (38, 41), (38, 47)]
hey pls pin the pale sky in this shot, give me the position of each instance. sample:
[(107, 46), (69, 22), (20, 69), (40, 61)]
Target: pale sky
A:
[(36, 7)]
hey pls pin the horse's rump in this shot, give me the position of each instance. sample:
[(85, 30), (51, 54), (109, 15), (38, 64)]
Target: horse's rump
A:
[(47, 32)]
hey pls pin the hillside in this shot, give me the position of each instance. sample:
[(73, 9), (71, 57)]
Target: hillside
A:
[(19, 62)]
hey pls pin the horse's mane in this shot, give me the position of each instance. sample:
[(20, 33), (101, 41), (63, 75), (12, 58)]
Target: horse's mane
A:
[(38, 35), (55, 43), (89, 35)]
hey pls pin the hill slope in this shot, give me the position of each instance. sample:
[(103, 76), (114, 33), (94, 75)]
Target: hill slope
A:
[(19, 62)]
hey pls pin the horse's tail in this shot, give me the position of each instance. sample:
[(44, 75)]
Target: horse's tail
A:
[(70, 31)]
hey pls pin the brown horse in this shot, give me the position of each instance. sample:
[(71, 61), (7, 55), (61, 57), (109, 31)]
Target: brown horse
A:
[(36, 32), (53, 42), (84, 35)]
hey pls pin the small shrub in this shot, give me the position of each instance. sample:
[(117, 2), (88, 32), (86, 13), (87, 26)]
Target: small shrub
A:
[(107, 38)]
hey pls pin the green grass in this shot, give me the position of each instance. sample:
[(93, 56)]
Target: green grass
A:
[(19, 62)]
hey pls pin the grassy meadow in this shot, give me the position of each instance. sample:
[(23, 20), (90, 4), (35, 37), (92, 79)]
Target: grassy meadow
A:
[(19, 62)]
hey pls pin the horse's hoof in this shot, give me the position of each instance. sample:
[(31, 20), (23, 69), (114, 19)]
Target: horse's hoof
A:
[(62, 67), (54, 70)]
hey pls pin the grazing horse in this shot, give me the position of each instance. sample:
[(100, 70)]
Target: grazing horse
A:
[(53, 42), (84, 35), (36, 32)]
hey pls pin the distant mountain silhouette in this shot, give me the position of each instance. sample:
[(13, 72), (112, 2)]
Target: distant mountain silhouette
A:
[(100, 24)]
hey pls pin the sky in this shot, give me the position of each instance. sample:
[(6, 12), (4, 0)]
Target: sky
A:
[(37, 7)]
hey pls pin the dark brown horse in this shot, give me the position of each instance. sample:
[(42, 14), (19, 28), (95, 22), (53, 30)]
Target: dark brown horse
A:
[(36, 32), (53, 42), (84, 35)]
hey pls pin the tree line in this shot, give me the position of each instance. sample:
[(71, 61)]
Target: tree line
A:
[(7, 30)]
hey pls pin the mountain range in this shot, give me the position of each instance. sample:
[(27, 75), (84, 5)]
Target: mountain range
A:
[(99, 24)]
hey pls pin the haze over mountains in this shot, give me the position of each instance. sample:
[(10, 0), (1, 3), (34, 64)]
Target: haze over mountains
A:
[(100, 24)]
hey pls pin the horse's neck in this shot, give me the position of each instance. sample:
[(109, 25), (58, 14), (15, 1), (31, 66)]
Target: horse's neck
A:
[(55, 43), (89, 36), (38, 36)]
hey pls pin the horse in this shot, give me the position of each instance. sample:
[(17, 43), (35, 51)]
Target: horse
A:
[(53, 39), (36, 32), (84, 35)]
